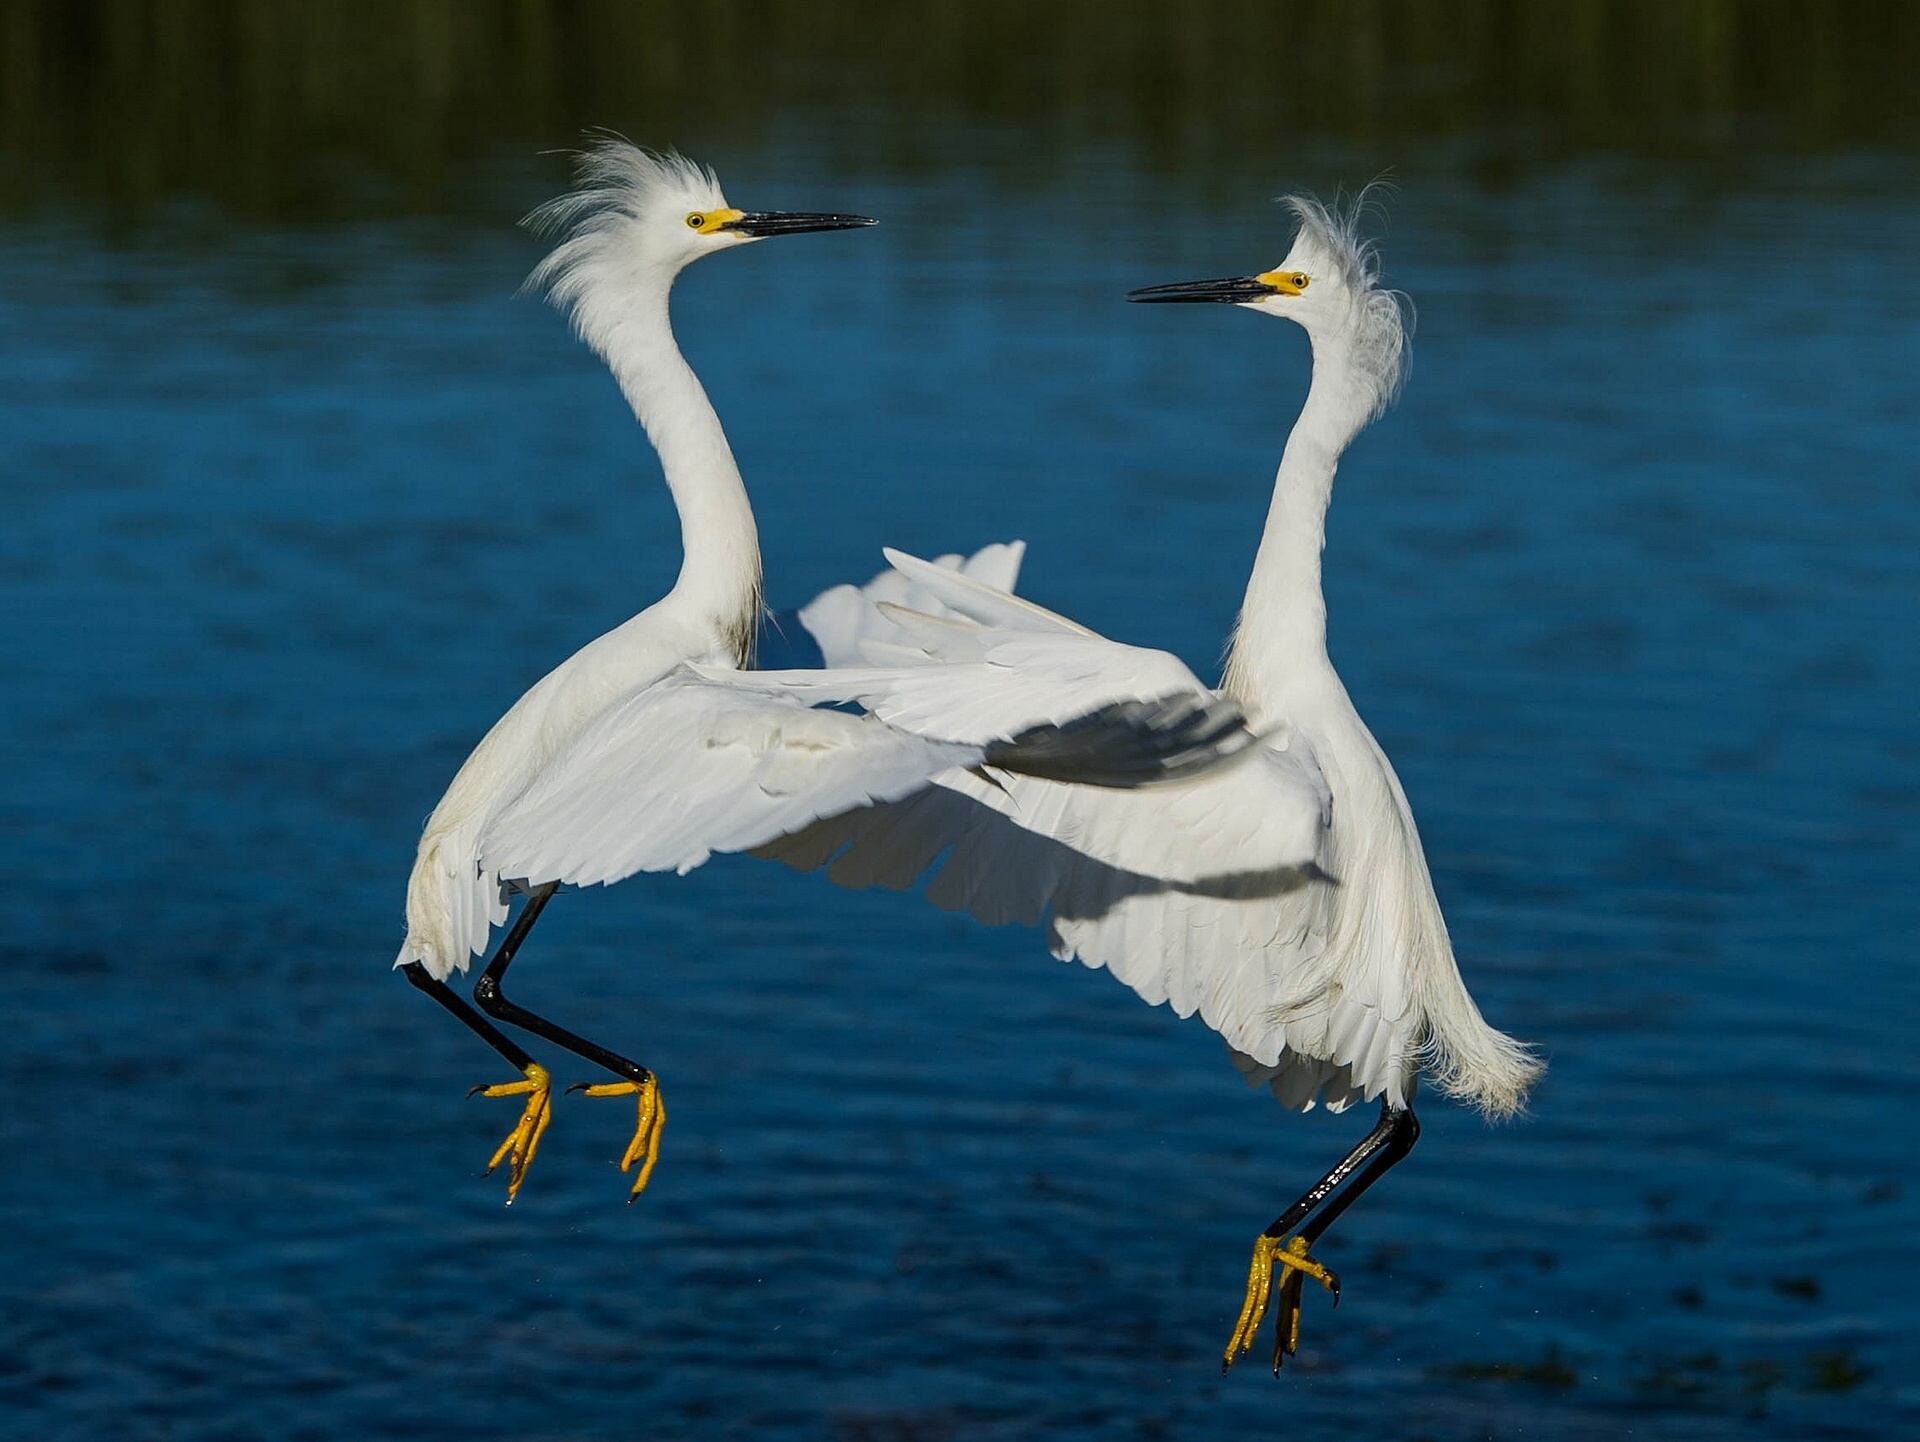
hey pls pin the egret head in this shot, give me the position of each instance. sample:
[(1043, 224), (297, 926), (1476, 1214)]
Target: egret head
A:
[(1329, 284), (636, 218)]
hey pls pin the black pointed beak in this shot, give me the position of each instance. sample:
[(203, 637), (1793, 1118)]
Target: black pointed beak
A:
[(757, 223), (1236, 291)]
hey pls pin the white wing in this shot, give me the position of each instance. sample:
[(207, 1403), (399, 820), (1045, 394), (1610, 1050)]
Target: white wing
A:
[(688, 766), (994, 667), (974, 597), (1263, 812), (1014, 681), (661, 776), (695, 763), (1242, 948), (977, 664), (845, 618), (1211, 893)]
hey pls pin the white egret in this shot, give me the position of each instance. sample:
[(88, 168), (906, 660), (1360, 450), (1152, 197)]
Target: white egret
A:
[(624, 758), (1330, 974)]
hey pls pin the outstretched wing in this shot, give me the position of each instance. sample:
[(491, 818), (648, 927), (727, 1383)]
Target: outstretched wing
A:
[(704, 761), (1210, 893), (688, 766), (1020, 687), (992, 667), (1243, 948)]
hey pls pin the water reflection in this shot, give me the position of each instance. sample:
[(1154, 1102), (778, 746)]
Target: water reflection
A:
[(1624, 585)]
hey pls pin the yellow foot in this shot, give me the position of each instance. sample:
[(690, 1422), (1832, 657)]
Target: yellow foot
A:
[(524, 1140), (645, 1146), (1290, 1259)]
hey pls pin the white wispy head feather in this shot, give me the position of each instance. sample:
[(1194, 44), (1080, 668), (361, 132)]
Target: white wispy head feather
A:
[(622, 223), (1375, 322)]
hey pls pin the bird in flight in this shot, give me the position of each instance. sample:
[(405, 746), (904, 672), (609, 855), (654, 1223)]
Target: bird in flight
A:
[(1309, 935), (645, 750)]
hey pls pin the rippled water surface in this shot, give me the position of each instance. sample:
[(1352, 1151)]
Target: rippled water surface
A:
[(1626, 586)]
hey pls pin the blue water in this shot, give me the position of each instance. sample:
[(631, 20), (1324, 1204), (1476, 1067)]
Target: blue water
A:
[(1626, 586)]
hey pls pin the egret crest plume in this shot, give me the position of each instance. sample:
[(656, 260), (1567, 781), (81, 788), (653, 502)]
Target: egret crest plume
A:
[(1329, 242), (623, 221)]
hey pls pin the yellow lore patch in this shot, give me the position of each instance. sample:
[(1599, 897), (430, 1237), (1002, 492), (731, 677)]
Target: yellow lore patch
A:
[(709, 222), (1285, 282)]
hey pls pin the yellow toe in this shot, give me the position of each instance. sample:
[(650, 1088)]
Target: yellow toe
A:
[(523, 1142), (1290, 1259), (651, 1118)]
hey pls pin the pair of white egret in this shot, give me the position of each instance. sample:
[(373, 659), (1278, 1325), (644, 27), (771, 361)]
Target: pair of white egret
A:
[(1245, 852)]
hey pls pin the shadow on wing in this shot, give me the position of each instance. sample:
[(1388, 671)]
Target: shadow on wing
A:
[(974, 859)]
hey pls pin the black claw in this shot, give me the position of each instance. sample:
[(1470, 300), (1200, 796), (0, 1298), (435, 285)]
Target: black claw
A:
[(576, 1087), (476, 1090), (1333, 1286)]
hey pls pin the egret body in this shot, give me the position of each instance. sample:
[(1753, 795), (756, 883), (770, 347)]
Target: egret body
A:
[(651, 747), (1328, 968), (636, 221)]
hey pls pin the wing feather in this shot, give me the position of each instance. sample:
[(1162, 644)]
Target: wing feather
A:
[(973, 597), (1241, 947), (686, 767), (1018, 681), (845, 619)]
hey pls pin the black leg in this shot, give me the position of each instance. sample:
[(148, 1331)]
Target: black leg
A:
[(1402, 1130), (490, 999), (478, 1024), (524, 1140), (1378, 1153), (651, 1114), (1397, 1130), (1389, 1143)]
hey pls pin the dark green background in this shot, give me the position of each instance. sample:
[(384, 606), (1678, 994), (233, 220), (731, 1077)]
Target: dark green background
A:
[(280, 111)]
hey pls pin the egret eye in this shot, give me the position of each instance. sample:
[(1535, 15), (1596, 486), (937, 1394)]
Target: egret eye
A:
[(1300, 279), (696, 220)]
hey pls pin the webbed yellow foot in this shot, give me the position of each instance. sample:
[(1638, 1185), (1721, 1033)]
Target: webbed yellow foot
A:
[(645, 1146), (523, 1141), (1290, 1259)]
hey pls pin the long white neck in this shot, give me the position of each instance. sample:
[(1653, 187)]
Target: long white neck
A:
[(1281, 639), (719, 582)]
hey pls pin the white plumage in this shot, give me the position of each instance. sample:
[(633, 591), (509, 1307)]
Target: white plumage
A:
[(1281, 894), (650, 748), (986, 657), (628, 239), (1314, 944)]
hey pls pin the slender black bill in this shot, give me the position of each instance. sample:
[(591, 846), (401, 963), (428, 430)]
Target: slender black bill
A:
[(757, 223), (1235, 291)]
